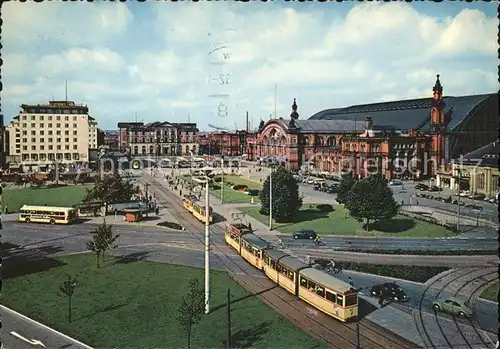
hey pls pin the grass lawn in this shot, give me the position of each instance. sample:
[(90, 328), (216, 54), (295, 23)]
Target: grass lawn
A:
[(491, 293), (133, 304), (334, 223), (14, 198), (232, 196)]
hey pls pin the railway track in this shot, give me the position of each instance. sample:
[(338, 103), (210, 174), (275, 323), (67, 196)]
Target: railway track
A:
[(332, 332), (433, 329)]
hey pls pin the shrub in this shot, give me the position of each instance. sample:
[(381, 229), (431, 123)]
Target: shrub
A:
[(253, 192), (217, 179), (240, 187), (407, 272), (325, 207), (215, 187), (171, 225)]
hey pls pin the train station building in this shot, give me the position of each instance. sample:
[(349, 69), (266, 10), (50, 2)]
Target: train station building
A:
[(402, 139)]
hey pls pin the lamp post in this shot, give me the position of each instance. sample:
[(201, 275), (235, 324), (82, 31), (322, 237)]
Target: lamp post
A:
[(207, 171), (459, 177), (222, 180)]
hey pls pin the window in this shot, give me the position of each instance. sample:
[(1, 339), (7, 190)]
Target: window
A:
[(320, 291), (273, 264), (75, 125), (66, 139), (66, 147), (66, 132), (32, 117), (25, 147), (480, 181), (24, 117), (75, 147), (24, 125), (58, 118), (58, 125), (494, 183), (58, 140), (33, 125), (311, 286), (51, 156), (340, 300), (50, 133), (33, 147), (66, 125), (33, 133), (351, 300), (58, 147), (42, 140), (50, 119), (75, 133), (42, 147), (76, 156), (303, 282), (42, 133), (50, 148), (66, 118), (25, 133), (25, 140), (331, 296), (75, 139), (33, 140), (49, 126), (43, 156), (25, 157), (42, 125), (50, 140)]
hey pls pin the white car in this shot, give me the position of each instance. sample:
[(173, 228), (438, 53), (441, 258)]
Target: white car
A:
[(464, 194)]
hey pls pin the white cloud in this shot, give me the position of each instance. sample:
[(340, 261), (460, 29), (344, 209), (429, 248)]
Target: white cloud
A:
[(325, 58)]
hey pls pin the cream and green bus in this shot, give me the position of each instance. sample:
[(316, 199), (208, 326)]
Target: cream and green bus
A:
[(47, 214)]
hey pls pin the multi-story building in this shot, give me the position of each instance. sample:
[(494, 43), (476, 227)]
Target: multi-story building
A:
[(188, 139), (226, 143), (123, 133), (167, 138), (42, 136), (427, 131), (109, 139), (141, 140)]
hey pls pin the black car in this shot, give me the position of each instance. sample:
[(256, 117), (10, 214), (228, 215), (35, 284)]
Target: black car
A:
[(421, 187), (389, 290), (305, 234), (435, 188)]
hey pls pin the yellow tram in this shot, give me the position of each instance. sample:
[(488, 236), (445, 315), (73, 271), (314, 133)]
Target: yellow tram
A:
[(321, 290), (197, 209)]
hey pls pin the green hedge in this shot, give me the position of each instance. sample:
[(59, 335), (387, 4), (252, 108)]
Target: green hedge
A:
[(171, 225), (406, 272), (324, 207), (426, 252)]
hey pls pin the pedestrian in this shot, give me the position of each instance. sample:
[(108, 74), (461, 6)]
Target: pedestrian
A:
[(381, 301), (308, 259), (417, 203), (351, 282), (250, 227)]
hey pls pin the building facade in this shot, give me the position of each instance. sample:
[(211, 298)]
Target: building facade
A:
[(408, 139), (226, 143), (42, 136), (188, 139)]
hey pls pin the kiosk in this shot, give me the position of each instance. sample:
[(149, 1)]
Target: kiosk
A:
[(133, 214)]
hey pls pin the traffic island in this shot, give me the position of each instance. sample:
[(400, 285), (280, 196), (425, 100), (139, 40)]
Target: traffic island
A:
[(131, 303)]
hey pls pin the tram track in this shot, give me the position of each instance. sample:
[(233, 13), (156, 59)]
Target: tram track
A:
[(423, 328), (288, 305)]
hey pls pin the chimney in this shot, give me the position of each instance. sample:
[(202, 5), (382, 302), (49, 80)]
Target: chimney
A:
[(368, 123)]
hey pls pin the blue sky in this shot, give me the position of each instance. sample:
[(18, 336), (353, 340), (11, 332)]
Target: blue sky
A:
[(152, 58)]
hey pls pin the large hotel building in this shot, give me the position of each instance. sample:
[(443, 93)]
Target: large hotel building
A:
[(42, 136)]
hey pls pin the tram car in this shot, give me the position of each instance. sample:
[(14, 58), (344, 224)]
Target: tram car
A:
[(326, 293), (197, 209), (233, 234)]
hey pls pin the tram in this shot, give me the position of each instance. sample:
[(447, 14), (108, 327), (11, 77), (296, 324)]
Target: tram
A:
[(321, 290), (197, 209)]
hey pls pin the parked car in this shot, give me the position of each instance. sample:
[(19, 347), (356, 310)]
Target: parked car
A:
[(395, 182), (477, 196), (454, 306), (464, 194), (435, 188), (389, 290), (305, 234), (421, 187)]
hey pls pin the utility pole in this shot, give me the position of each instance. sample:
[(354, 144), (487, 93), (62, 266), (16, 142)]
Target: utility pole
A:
[(271, 199), (222, 180), (207, 246), (228, 318), (458, 206), (147, 200)]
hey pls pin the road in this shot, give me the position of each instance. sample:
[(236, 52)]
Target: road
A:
[(336, 242), (13, 322)]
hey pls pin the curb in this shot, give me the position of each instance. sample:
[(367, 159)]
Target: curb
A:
[(4, 308)]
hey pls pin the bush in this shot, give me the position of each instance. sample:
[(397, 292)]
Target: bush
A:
[(215, 187), (464, 252), (240, 187), (56, 185), (217, 179), (407, 272), (171, 225), (253, 192), (325, 208)]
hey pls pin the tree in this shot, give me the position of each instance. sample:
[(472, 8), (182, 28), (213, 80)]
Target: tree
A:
[(103, 239), (371, 199), (110, 189), (345, 187), (68, 288), (191, 308), (285, 196)]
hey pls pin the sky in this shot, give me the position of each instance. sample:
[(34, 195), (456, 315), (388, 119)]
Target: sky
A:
[(162, 61)]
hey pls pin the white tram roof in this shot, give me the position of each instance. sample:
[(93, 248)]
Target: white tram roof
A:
[(45, 208), (292, 263), (326, 280), (275, 254), (254, 240)]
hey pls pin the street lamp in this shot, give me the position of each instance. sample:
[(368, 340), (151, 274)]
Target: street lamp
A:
[(459, 177), (222, 180), (207, 171)]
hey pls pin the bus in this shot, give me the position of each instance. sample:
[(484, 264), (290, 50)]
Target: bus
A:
[(47, 214)]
